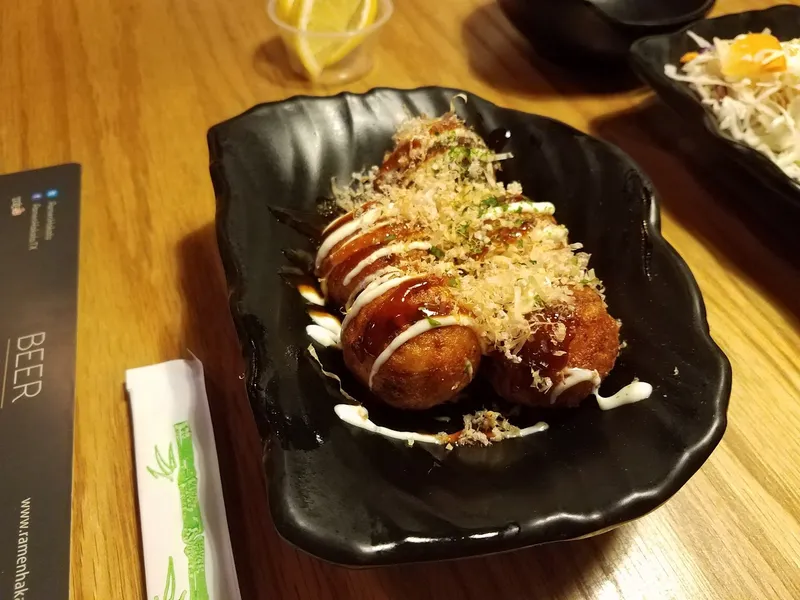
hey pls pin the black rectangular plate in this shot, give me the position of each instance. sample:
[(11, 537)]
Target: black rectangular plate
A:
[(352, 497)]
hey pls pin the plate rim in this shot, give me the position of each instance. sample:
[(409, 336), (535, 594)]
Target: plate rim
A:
[(691, 15), (756, 161), (645, 500)]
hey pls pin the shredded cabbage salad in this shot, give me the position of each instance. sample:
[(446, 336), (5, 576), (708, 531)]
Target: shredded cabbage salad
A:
[(752, 85)]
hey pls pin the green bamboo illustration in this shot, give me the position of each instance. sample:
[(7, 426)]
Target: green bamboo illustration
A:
[(169, 587), (193, 530)]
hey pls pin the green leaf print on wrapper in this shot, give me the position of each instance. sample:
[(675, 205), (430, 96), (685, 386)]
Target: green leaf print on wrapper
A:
[(165, 467), (169, 587), (193, 532)]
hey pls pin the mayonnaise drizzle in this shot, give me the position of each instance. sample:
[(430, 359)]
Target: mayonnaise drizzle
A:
[(369, 294), (344, 231), (381, 274), (380, 253), (311, 294), (413, 331), (545, 208), (335, 223), (633, 392), (322, 336), (358, 416), (537, 428), (571, 378), (326, 320)]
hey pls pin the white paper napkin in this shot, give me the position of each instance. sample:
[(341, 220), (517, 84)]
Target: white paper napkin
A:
[(187, 545)]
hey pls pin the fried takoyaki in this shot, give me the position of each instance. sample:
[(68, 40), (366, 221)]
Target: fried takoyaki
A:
[(436, 264), (410, 341), (564, 360)]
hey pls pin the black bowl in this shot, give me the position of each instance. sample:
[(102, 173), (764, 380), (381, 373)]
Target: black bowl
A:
[(356, 498), (587, 32), (648, 57)]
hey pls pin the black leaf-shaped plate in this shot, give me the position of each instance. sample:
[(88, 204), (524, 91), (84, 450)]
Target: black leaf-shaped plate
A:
[(356, 498), (650, 55)]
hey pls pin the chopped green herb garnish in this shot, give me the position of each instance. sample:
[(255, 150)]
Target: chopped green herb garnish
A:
[(463, 229), (520, 243), (486, 204), (475, 246), (534, 262), (389, 237), (585, 281), (459, 153), (453, 282), (433, 322), (437, 252)]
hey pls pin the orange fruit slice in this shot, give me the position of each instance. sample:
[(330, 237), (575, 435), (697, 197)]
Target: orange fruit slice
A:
[(754, 55)]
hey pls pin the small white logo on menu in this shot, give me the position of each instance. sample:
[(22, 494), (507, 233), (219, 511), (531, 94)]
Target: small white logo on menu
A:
[(16, 206)]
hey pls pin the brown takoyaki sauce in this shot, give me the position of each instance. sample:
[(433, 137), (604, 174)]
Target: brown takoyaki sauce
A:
[(395, 313), (544, 351)]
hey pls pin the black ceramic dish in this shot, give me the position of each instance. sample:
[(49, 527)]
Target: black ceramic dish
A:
[(649, 56), (592, 31), (356, 498)]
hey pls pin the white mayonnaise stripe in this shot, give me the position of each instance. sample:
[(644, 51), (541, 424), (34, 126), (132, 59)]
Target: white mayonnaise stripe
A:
[(633, 392), (380, 253), (379, 275), (344, 231), (327, 321), (369, 294), (537, 428), (545, 208), (311, 294), (416, 329), (359, 417), (334, 223), (322, 336), (571, 378)]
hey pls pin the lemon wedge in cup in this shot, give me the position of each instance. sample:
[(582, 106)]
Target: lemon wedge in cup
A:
[(328, 17), (284, 10)]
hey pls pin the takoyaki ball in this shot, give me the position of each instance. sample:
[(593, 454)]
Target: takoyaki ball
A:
[(591, 342), (409, 155), (430, 368), (341, 269)]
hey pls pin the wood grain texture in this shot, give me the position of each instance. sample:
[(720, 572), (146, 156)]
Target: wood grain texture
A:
[(129, 88)]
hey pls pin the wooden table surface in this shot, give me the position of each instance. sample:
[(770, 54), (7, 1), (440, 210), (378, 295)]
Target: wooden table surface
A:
[(128, 88)]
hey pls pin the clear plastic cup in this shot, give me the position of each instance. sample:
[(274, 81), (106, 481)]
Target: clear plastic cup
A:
[(350, 53)]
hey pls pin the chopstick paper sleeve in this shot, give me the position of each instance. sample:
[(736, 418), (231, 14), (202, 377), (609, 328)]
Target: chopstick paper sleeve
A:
[(185, 537)]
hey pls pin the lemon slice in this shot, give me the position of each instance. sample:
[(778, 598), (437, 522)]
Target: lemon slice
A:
[(285, 10), (329, 16)]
